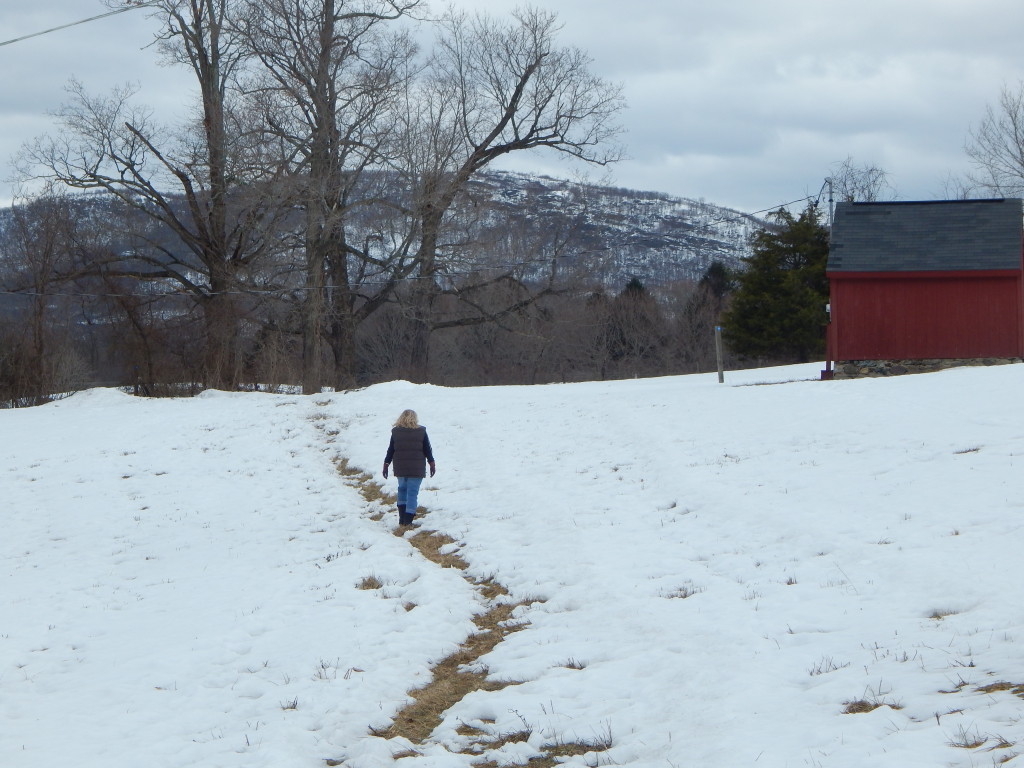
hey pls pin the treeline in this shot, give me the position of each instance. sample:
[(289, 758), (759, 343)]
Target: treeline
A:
[(65, 325)]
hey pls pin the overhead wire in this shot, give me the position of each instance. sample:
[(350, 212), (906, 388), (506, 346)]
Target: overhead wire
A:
[(127, 8), (236, 292)]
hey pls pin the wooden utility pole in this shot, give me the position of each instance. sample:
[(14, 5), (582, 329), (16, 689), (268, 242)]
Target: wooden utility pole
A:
[(718, 353)]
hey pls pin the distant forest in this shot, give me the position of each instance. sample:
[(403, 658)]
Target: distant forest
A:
[(532, 302)]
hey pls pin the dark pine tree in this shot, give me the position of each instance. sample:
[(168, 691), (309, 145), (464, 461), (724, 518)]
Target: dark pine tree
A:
[(718, 281), (778, 308)]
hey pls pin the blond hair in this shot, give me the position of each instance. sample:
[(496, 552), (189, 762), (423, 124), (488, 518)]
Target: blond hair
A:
[(408, 419)]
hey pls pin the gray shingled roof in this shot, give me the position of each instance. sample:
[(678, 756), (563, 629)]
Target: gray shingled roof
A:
[(927, 236)]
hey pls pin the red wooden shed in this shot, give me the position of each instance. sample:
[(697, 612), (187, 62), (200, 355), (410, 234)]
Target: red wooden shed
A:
[(916, 281)]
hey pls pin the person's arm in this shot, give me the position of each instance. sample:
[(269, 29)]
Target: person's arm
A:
[(389, 455), (429, 453)]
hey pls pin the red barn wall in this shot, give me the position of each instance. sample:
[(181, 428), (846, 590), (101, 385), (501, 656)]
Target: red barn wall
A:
[(907, 316)]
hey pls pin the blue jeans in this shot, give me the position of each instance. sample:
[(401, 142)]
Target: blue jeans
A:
[(408, 490)]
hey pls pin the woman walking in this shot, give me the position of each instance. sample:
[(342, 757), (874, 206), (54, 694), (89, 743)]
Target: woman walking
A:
[(410, 451)]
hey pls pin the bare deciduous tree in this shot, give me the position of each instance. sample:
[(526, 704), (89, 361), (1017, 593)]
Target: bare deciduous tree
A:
[(493, 88), (205, 182), (329, 79), (861, 183), (996, 146), (258, 206), (39, 360), (957, 188)]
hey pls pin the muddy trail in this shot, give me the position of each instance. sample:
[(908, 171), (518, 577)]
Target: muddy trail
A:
[(460, 673)]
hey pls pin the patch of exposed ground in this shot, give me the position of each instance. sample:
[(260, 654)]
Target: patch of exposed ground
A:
[(461, 673), (368, 488), (454, 677), (1017, 689)]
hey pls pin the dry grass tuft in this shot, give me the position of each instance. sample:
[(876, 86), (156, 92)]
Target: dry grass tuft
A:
[(1002, 743), (517, 737), (370, 582), (683, 592), (491, 589), (405, 753), (601, 742), (372, 491), (555, 754), (470, 730), (430, 544), (572, 749), (826, 665), (964, 739), (344, 468), (859, 707), (572, 663), (368, 488), (1016, 688)]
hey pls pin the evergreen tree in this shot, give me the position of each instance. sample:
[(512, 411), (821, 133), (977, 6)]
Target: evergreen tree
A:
[(718, 280), (778, 308)]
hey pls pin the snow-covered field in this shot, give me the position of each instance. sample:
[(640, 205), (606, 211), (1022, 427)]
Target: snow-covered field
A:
[(712, 574)]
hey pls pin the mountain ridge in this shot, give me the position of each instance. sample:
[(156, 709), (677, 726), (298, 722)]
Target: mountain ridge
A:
[(609, 234), (653, 236)]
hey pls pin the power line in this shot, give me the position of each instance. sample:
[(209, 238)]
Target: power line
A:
[(739, 215), (169, 294), (782, 205), (76, 23), (235, 292)]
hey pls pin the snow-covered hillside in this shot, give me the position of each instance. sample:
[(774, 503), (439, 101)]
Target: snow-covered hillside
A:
[(704, 575), (616, 233)]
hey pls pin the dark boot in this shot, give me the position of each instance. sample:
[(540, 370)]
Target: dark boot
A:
[(403, 519)]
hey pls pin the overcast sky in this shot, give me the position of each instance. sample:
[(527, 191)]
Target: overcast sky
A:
[(745, 103)]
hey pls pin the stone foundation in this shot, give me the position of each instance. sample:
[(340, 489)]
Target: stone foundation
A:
[(853, 369)]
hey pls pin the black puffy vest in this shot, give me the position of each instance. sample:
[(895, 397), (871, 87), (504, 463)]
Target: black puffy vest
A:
[(409, 459)]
